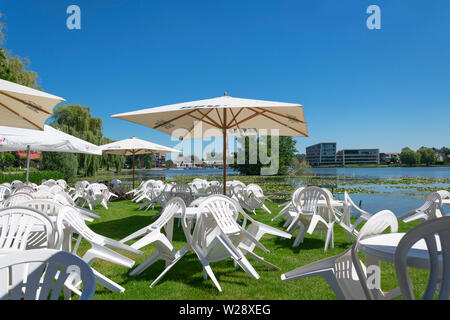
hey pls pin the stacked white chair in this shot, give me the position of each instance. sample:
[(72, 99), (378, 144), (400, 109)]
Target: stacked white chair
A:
[(162, 242), (217, 236), (71, 222), (41, 275), (17, 229), (4, 192), (434, 232), (308, 219), (429, 210), (346, 273)]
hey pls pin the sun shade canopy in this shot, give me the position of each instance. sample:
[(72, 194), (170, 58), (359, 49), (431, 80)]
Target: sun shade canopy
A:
[(207, 118), (24, 107)]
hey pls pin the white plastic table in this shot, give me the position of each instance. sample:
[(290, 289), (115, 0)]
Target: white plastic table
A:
[(382, 248)]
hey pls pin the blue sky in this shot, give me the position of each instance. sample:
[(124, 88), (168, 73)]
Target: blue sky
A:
[(361, 88)]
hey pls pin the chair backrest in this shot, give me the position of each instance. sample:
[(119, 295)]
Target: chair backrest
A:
[(183, 191), (256, 189), (170, 209), (433, 199), (224, 212), (42, 194), (16, 183), (64, 199), (432, 232), (23, 189), (348, 268), (17, 198), (363, 215), (4, 192), (56, 189), (308, 198), (40, 275), (42, 187), (81, 184), (444, 194), (17, 224), (47, 207), (62, 183), (213, 190)]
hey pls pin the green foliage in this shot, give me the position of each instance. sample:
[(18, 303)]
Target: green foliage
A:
[(8, 157), (300, 168), (169, 164), (427, 156), (66, 163), (286, 155), (77, 121), (35, 176), (409, 157)]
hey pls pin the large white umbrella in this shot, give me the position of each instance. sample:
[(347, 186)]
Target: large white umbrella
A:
[(231, 116), (24, 107), (50, 139), (133, 146)]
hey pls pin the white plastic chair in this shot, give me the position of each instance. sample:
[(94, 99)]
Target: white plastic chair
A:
[(426, 211), (41, 275), (431, 232), (97, 193), (4, 192), (69, 220), (18, 229), (363, 216), (308, 219), (23, 189), (16, 199), (345, 272), (217, 236), (163, 242)]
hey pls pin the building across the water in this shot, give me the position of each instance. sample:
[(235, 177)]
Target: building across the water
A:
[(326, 154), (321, 154), (358, 156)]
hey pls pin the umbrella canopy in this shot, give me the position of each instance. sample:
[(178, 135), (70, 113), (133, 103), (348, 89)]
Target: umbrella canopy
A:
[(238, 116), (229, 116), (24, 107), (133, 146), (50, 139)]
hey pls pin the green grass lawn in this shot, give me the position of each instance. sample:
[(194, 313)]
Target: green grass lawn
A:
[(185, 279)]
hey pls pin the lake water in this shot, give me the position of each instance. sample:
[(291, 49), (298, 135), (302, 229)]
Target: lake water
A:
[(396, 199)]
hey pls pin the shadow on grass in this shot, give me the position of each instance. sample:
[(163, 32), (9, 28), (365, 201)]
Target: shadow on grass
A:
[(189, 271), (120, 228)]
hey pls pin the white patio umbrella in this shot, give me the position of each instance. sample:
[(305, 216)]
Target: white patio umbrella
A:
[(231, 116), (50, 139), (24, 107), (133, 146)]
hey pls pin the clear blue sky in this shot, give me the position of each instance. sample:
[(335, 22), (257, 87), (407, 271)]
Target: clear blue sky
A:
[(384, 89)]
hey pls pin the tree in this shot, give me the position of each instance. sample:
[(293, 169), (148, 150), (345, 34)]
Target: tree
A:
[(409, 157), (77, 120), (66, 163), (286, 154), (427, 156), (169, 164)]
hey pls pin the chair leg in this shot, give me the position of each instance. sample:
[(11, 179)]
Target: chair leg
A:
[(107, 283), (210, 273), (261, 260), (144, 265), (168, 267)]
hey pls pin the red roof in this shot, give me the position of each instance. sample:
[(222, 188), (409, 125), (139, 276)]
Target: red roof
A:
[(33, 154)]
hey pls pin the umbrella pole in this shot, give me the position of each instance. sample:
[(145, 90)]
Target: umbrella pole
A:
[(28, 164), (224, 157), (133, 169)]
